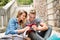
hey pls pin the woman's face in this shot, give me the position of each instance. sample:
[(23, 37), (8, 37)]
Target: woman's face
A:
[(23, 16)]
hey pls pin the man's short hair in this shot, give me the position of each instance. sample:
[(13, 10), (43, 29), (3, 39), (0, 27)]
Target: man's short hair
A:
[(33, 11)]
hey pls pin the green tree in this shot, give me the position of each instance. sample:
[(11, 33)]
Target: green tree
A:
[(3, 2), (24, 2)]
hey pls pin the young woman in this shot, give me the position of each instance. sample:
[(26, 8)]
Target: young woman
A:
[(16, 24)]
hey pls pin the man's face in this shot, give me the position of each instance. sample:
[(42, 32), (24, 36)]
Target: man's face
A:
[(32, 17)]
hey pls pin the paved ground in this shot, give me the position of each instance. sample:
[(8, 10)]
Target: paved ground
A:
[(53, 32)]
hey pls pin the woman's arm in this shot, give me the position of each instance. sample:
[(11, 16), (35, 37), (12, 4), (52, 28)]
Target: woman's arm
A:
[(11, 28)]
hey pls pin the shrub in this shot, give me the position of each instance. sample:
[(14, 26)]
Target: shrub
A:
[(3, 2), (24, 2)]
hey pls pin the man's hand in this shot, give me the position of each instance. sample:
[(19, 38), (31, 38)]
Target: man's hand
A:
[(34, 27)]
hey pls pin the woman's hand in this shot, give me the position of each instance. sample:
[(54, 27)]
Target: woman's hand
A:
[(23, 30), (27, 28)]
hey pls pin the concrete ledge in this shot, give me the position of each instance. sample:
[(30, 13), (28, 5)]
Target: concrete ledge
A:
[(2, 11), (8, 5)]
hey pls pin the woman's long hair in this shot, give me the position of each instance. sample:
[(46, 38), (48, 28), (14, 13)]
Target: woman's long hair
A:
[(20, 12)]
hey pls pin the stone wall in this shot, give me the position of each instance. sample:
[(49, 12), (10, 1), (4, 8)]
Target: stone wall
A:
[(49, 11), (40, 6), (53, 12)]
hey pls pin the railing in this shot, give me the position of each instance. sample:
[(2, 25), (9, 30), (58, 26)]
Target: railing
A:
[(6, 13)]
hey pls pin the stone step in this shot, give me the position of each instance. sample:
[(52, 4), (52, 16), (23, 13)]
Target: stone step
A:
[(56, 29), (2, 29)]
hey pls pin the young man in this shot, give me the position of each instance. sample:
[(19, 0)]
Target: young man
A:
[(34, 22)]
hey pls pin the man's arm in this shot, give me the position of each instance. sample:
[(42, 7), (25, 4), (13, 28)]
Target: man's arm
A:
[(43, 27)]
